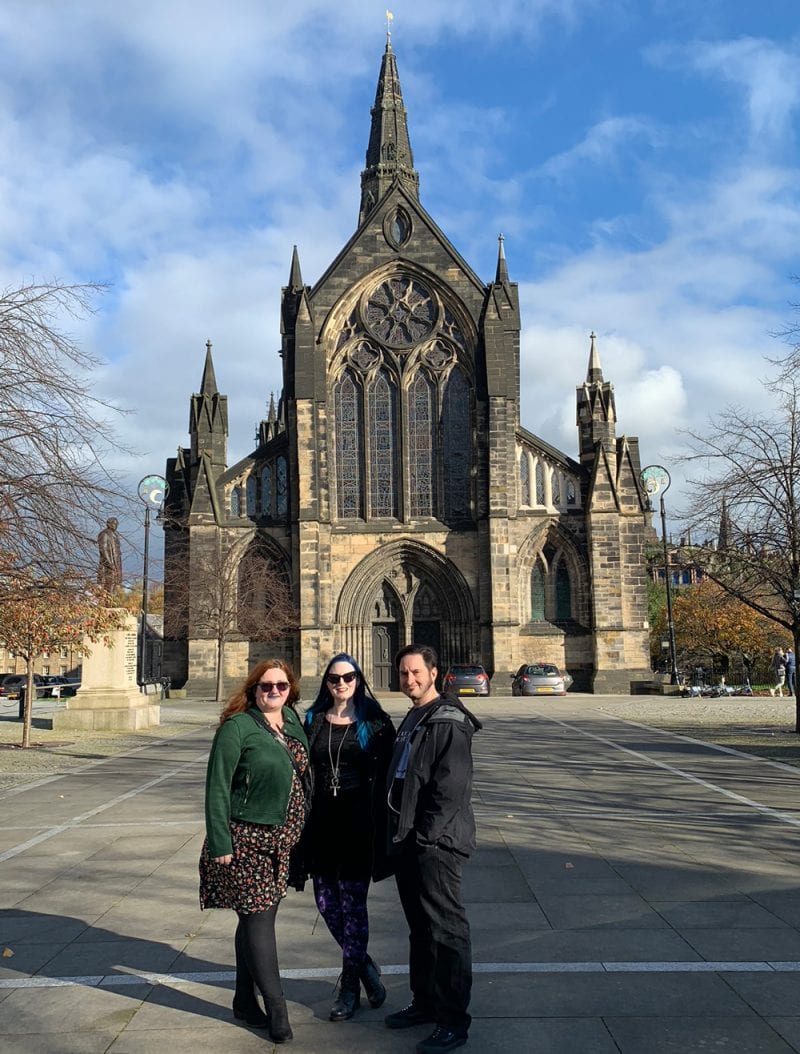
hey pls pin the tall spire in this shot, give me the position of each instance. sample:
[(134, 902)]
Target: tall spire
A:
[(208, 385), (295, 277), (502, 266), (389, 156), (595, 372)]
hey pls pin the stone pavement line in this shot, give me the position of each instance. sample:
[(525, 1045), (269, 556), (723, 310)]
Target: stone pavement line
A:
[(10, 792), (174, 979), (702, 743), (77, 820), (765, 810)]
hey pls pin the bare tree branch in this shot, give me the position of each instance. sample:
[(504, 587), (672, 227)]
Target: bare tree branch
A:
[(56, 437)]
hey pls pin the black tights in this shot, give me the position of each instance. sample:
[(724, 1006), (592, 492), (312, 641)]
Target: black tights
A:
[(257, 958)]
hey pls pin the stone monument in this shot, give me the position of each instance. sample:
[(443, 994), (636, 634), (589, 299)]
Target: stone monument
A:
[(109, 697)]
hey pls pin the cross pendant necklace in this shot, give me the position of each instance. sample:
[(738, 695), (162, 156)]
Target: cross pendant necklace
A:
[(335, 779)]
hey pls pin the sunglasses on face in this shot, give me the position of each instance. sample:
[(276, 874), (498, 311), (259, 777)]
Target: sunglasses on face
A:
[(348, 678), (267, 686)]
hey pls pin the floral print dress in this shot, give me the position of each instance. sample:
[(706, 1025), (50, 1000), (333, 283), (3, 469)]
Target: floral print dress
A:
[(258, 875)]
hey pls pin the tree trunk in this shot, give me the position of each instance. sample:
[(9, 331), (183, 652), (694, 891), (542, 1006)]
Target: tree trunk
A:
[(27, 713), (220, 670)]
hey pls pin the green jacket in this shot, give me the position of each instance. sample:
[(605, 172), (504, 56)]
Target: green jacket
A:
[(249, 777)]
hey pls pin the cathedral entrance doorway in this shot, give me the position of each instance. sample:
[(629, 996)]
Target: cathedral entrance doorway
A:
[(384, 648), (404, 593)]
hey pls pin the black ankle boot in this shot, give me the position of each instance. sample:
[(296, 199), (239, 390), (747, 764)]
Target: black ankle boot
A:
[(249, 1012), (280, 1031), (349, 998), (370, 976)]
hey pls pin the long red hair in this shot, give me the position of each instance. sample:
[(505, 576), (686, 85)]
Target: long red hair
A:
[(245, 696)]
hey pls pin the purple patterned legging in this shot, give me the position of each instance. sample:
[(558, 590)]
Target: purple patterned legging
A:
[(343, 905)]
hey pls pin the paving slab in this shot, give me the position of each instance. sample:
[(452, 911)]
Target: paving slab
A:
[(633, 891)]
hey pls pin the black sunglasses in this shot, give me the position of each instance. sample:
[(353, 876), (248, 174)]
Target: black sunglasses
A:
[(348, 678), (267, 686)]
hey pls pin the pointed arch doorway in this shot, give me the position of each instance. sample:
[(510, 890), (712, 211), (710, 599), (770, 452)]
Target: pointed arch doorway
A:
[(405, 592)]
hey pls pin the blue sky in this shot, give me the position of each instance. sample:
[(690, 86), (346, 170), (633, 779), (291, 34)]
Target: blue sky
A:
[(640, 157)]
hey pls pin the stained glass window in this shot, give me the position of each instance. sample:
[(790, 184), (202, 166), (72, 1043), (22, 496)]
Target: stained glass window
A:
[(556, 489), (236, 502), (524, 479), (570, 492), (400, 227), (563, 592), (251, 495), (456, 446), (537, 593), (382, 446), (349, 329), (349, 448), (281, 489), (401, 312), (452, 328), (421, 446), (539, 483), (266, 490)]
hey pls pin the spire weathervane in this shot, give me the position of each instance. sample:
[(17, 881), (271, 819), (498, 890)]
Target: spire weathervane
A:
[(389, 20)]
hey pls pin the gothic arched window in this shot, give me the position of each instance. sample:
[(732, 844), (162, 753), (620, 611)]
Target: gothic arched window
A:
[(456, 446), (524, 479), (266, 490), (251, 495), (236, 502), (382, 402), (349, 449), (421, 446), (281, 488), (537, 593), (563, 593), (539, 483), (556, 488), (570, 492)]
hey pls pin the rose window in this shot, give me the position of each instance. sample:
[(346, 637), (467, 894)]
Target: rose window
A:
[(401, 312)]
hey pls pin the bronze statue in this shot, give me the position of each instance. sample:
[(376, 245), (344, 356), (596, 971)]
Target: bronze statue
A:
[(109, 571)]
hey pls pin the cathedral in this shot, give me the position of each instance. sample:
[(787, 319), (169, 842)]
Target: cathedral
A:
[(393, 488)]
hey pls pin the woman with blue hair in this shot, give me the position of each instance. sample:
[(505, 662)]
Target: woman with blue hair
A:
[(350, 740)]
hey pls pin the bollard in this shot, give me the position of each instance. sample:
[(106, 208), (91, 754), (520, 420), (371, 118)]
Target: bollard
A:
[(22, 703)]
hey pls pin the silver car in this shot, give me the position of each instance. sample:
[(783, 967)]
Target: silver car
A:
[(540, 678), (466, 679)]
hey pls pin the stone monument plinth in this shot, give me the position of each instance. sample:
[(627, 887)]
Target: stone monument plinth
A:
[(109, 698)]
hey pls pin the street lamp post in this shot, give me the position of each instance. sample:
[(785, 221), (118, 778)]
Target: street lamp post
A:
[(152, 490), (656, 480)]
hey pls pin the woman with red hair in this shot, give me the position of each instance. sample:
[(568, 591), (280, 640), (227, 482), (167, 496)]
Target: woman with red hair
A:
[(255, 811)]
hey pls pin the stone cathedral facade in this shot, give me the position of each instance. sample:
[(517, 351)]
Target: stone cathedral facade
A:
[(393, 487)]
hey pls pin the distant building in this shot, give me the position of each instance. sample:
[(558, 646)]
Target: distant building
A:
[(393, 484)]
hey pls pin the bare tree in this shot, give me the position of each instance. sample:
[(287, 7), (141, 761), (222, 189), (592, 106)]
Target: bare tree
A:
[(746, 498), (231, 592), (56, 438)]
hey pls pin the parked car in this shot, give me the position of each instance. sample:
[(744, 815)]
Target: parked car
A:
[(466, 679), (11, 683), (540, 678), (59, 687)]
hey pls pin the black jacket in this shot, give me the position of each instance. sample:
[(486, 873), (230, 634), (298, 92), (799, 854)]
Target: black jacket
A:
[(436, 800)]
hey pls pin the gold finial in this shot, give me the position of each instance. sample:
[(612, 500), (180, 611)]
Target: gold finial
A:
[(389, 20)]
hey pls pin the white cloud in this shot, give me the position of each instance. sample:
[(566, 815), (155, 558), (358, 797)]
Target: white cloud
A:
[(600, 146), (767, 74)]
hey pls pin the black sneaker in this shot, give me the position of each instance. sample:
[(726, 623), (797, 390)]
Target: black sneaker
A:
[(408, 1017), (442, 1038)]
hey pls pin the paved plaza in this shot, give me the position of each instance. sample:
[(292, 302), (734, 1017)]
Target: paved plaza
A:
[(634, 890)]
